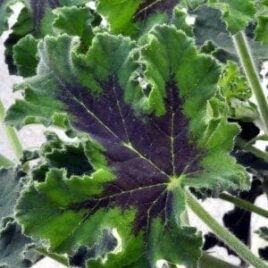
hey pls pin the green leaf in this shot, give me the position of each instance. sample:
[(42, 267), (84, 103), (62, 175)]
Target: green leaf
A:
[(208, 26), (261, 31), (35, 19), (129, 16), (235, 89), (236, 14), (75, 21), (12, 242), (4, 13), (10, 180), (25, 56), (14, 247), (150, 135)]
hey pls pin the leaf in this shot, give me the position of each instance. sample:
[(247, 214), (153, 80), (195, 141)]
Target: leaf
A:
[(236, 14), (152, 142), (10, 180), (25, 56), (12, 242), (58, 154), (208, 26), (129, 16), (41, 11), (235, 89), (76, 21), (13, 247), (35, 20), (261, 31), (4, 13)]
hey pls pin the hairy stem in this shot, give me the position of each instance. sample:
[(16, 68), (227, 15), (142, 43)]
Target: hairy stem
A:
[(5, 162), (250, 70), (208, 261), (244, 204), (11, 134), (250, 148), (234, 243)]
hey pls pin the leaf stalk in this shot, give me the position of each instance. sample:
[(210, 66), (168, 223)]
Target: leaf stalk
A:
[(246, 59), (11, 134), (234, 243), (244, 204)]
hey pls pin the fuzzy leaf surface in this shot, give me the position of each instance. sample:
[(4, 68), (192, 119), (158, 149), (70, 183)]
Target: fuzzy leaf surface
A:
[(261, 31), (236, 14), (10, 180), (147, 143), (209, 26), (130, 16), (4, 13)]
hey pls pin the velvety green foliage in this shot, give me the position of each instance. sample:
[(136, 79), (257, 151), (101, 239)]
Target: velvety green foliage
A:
[(236, 14), (13, 247), (35, 20), (150, 134), (77, 22), (131, 16), (10, 180), (25, 56), (234, 87), (209, 26), (4, 13), (12, 242), (262, 18)]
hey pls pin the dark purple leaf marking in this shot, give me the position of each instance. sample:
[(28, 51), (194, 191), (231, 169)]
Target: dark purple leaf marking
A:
[(38, 9), (144, 152)]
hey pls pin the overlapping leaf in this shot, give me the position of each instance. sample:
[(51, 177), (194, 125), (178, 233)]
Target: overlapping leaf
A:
[(147, 112), (130, 16), (12, 241), (35, 21), (236, 14), (4, 13), (262, 18), (209, 26)]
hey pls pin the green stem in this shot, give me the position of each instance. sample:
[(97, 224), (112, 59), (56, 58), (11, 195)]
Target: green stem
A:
[(234, 243), (208, 261), (250, 148), (250, 70), (5, 162), (244, 204), (11, 134)]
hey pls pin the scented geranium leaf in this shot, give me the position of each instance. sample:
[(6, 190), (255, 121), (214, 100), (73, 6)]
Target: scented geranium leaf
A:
[(70, 156), (179, 20), (10, 180), (152, 141), (42, 11), (12, 241), (236, 14), (4, 13), (25, 56), (209, 26), (235, 89), (75, 21), (36, 18), (129, 16), (261, 31), (12, 247), (167, 244)]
